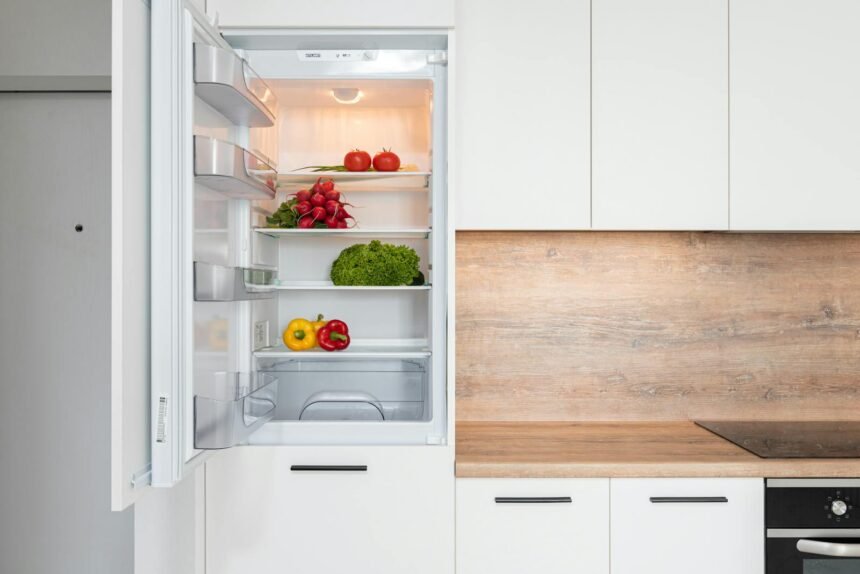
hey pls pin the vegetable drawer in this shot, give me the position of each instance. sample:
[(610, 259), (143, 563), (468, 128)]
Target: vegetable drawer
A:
[(370, 390)]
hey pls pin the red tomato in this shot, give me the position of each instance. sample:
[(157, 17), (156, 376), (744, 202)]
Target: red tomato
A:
[(386, 160), (356, 160)]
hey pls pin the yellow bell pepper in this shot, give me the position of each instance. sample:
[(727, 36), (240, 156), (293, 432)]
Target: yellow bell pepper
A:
[(319, 323), (300, 335)]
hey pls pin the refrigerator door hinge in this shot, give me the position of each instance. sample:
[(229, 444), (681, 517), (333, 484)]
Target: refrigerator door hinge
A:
[(142, 477), (438, 59)]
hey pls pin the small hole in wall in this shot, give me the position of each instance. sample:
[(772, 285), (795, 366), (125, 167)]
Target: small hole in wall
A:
[(79, 227)]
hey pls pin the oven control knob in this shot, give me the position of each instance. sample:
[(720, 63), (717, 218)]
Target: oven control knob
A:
[(839, 507)]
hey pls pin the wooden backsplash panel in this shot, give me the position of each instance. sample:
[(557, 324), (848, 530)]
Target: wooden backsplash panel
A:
[(657, 326)]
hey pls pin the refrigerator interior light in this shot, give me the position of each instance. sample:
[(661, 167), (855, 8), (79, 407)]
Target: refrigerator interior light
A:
[(347, 95)]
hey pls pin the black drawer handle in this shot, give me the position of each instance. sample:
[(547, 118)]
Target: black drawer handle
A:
[(533, 500), (686, 499), (328, 468)]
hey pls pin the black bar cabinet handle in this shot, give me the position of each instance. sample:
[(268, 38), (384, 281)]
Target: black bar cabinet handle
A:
[(681, 499), (533, 500), (328, 468)]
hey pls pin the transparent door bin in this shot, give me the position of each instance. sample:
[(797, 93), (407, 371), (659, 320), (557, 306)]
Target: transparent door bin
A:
[(370, 390), (231, 171), (229, 406), (227, 83)]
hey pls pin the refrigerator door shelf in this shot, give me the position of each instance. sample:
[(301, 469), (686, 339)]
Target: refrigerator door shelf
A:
[(231, 406), (232, 171), (218, 283), (227, 83)]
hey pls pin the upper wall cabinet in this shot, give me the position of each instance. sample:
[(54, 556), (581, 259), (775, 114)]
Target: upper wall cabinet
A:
[(660, 114), (795, 115), (522, 115), (333, 13)]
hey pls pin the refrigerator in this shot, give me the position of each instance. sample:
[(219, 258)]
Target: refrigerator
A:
[(236, 119)]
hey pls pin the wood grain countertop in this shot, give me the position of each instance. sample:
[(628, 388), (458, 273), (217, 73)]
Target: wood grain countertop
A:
[(620, 449)]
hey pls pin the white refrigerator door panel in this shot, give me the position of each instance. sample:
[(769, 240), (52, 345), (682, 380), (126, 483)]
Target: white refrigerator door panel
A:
[(190, 341), (130, 448)]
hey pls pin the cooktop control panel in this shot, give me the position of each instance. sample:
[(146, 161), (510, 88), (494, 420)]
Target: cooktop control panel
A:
[(819, 507)]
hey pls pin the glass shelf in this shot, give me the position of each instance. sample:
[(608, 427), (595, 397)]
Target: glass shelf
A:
[(354, 233), (366, 349), (329, 286), (358, 181)]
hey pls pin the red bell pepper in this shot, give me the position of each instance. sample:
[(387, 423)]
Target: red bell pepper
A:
[(334, 336)]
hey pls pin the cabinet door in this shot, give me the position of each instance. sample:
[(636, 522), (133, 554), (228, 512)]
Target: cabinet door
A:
[(333, 13), (795, 119), (683, 525), (660, 115), (322, 510), (522, 115), (551, 526)]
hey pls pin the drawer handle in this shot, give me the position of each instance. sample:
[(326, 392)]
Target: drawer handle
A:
[(533, 500), (328, 468), (687, 499)]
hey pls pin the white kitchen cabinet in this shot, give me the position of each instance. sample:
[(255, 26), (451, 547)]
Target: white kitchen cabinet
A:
[(333, 13), (683, 525), (551, 526), (660, 114), (523, 115), (266, 515), (795, 150)]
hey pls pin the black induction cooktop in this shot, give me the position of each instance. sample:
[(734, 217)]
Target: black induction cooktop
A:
[(791, 439)]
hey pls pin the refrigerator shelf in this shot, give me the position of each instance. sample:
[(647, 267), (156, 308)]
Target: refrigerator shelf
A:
[(232, 171), (358, 349), (358, 181), (329, 286), (356, 233), (227, 83), (229, 406)]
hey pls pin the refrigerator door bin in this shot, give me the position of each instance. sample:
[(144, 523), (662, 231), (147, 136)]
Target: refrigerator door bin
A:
[(229, 406), (227, 83), (218, 283), (371, 390), (232, 171)]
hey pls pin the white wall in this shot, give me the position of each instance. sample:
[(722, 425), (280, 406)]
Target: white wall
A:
[(55, 45), (55, 512)]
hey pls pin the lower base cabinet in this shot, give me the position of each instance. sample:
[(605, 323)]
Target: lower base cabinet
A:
[(687, 525), (545, 526), (330, 510)]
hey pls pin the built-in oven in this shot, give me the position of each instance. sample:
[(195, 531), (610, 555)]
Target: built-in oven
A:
[(811, 526)]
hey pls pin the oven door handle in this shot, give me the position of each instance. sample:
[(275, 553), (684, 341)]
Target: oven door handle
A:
[(833, 549)]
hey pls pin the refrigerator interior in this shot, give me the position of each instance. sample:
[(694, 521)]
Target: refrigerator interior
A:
[(389, 386)]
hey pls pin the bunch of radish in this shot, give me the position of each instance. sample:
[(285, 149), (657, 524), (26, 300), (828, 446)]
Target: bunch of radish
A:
[(321, 206)]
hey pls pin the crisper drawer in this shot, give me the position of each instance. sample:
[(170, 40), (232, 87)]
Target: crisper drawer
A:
[(551, 526), (683, 525), (329, 510), (358, 390)]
